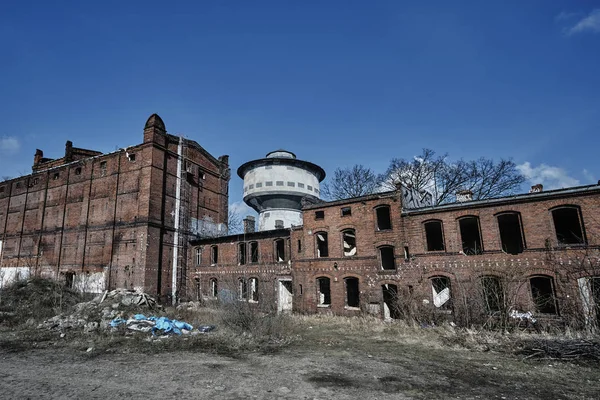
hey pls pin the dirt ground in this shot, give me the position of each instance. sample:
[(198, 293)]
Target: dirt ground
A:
[(324, 361)]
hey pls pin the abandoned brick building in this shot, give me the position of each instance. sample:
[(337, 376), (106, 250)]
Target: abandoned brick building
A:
[(120, 219), (392, 254)]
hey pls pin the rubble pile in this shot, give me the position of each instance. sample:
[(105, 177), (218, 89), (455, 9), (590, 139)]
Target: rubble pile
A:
[(99, 312)]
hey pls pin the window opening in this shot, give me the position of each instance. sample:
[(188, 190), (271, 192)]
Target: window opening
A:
[(542, 292), (242, 253), (78, 171), (346, 211), (568, 225), (279, 250), (309, 188), (55, 176), (269, 183), (198, 255), (323, 291), (387, 257), (511, 235), (279, 183), (291, 184), (299, 246), (319, 214), (440, 287), (322, 244), (493, 294), (352, 292), (214, 255), (131, 157), (214, 288), (383, 218), (103, 168), (243, 289), (470, 235), (69, 279), (349, 242), (253, 252), (391, 305), (434, 235), (301, 185), (253, 287), (278, 224)]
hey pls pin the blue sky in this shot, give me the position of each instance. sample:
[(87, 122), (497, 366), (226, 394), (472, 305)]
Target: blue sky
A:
[(336, 82)]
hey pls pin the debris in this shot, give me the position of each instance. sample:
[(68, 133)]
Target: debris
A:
[(206, 328), (573, 349)]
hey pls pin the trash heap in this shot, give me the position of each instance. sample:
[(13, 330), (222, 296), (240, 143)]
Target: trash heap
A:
[(98, 313), (155, 325)]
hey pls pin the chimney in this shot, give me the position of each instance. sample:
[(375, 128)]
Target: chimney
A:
[(68, 151), (537, 188), (38, 157), (464, 195), (249, 224)]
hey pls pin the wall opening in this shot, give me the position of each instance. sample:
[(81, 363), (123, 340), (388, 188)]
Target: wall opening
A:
[(242, 253), (214, 288), (323, 292), (349, 242), (253, 252), (319, 214), (253, 287), (69, 279), (511, 233), (352, 292), (279, 250), (214, 255), (568, 225), (386, 253), (242, 289), (542, 293), (322, 244), (346, 211), (440, 288), (434, 236), (299, 246), (470, 235), (493, 293), (391, 304), (384, 222), (198, 256)]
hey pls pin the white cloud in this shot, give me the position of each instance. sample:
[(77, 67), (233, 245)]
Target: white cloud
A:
[(549, 176), (9, 145), (241, 209), (566, 15), (590, 22), (589, 177)]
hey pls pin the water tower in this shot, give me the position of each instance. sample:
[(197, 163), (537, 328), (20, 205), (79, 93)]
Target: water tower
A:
[(275, 186)]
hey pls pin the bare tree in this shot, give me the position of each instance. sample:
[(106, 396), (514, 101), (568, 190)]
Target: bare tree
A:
[(442, 178), (234, 223), (350, 182)]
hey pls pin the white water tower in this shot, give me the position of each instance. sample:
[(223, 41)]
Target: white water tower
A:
[(275, 186)]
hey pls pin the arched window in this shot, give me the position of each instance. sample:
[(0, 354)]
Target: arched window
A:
[(323, 292), (511, 232), (442, 296), (434, 235), (384, 220), (214, 287), (322, 244), (568, 224), (242, 289), (349, 242), (352, 292), (253, 252), (493, 293), (279, 245), (242, 253), (214, 255), (470, 235), (542, 293), (387, 257), (253, 289)]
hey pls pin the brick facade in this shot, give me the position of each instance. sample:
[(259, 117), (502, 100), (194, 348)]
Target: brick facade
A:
[(107, 220)]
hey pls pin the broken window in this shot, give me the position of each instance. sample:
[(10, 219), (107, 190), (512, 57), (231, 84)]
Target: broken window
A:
[(384, 221), (406, 254), (322, 244), (470, 235), (542, 293), (440, 288), (78, 171), (198, 255), (299, 246), (242, 289), (323, 292), (386, 254), (214, 255), (434, 235), (493, 293), (55, 176), (352, 292), (319, 214), (279, 250), (590, 294), (568, 224), (349, 242), (253, 288), (278, 224), (346, 211), (511, 233), (391, 305), (242, 253), (214, 288), (131, 157), (253, 252), (103, 168)]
